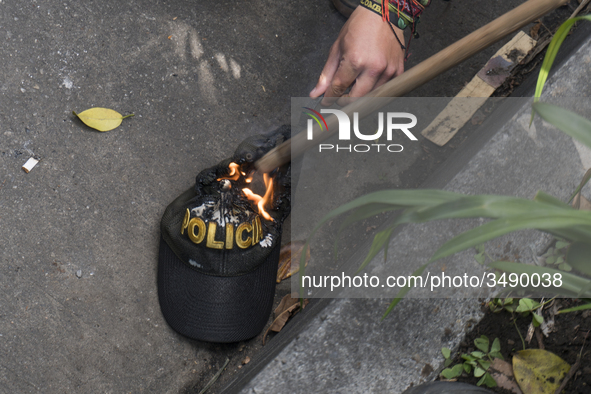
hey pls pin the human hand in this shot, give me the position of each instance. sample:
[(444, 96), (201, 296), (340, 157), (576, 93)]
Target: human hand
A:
[(366, 55)]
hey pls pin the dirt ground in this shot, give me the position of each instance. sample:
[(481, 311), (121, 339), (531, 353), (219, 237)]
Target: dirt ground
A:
[(566, 341)]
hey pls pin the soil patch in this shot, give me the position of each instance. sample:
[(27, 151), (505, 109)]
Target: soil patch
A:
[(566, 341)]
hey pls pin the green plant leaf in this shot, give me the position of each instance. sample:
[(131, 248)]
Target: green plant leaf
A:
[(484, 364), (467, 367), (572, 124), (552, 50), (101, 119), (527, 305), (379, 241), (454, 372), (487, 380), (469, 358), (576, 308), (578, 257), (496, 346), (478, 372), (584, 181), (447, 362), (537, 320), (561, 244), (496, 355), (571, 222), (446, 352), (478, 354), (482, 344), (565, 267), (571, 285), (546, 198), (480, 258), (488, 206)]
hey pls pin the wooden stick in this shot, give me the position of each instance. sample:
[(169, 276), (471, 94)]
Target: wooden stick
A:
[(416, 76)]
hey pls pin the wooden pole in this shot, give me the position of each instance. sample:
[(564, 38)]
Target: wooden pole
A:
[(416, 76)]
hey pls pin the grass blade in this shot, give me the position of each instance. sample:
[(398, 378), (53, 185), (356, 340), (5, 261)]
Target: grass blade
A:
[(572, 285), (379, 241), (562, 222), (553, 47), (572, 124)]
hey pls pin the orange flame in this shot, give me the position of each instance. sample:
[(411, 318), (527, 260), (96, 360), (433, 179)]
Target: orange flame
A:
[(234, 174), (261, 201)]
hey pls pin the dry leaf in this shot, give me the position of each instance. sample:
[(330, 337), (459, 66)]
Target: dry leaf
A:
[(581, 203), (502, 372), (286, 302), (101, 119), (291, 252), (287, 308), (246, 360), (530, 333), (539, 371)]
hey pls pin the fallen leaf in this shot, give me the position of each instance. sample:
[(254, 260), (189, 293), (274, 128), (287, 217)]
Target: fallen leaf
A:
[(246, 360), (288, 253), (502, 373), (539, 371), (530, 333), (286, 302), (585, 204), (579, 201), (101, 119), (288, 307)]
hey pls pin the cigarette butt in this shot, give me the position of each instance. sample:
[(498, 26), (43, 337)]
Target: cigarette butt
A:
[(28, 166)]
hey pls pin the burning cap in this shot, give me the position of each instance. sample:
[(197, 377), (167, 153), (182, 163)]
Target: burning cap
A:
[(220, 246)]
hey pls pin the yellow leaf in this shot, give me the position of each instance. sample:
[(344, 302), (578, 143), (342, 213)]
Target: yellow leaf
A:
[(539, 371), (101, 119)]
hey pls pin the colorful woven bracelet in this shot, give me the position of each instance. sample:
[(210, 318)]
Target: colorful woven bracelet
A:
[(402, 13)]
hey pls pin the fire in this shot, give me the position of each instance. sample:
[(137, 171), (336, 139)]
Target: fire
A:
[(235, 174), (261, 201)]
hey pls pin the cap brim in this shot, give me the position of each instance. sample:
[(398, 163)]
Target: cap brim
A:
[(215, 308)]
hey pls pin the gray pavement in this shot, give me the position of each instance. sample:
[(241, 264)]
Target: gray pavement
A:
[(79, 233)]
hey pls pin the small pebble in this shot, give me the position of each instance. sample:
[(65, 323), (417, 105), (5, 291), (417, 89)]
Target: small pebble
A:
[(79, 273)]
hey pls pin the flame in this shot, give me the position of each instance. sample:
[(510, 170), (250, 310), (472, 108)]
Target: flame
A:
[(234, 174), (261, 201)]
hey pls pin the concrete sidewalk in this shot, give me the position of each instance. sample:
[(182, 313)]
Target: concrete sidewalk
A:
[(79, 233)]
